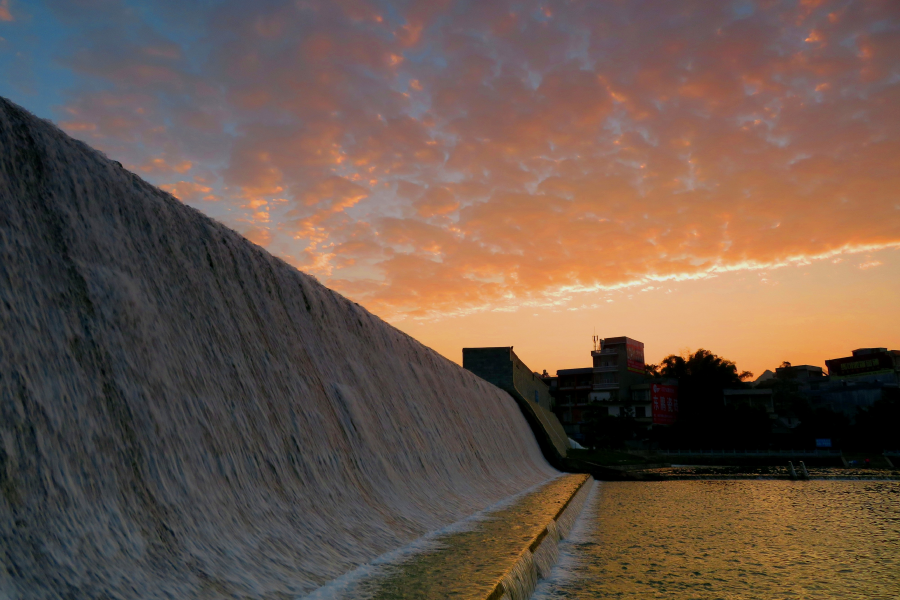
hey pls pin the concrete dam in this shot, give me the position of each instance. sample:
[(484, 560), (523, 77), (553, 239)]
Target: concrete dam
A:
[(183, 415)]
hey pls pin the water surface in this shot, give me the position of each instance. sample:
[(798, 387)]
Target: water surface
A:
[(733, 540)]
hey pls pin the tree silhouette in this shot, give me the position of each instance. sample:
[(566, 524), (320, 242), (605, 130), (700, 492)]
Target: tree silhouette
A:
[(703, 417), (701, 378)]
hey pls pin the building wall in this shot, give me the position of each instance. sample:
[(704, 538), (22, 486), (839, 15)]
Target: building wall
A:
[(874, 373), (626, 378), (608, 382), (572, 396), (847, 399), (614, 353), (641, 397), (491, 364), (501, 366), (749, 397), (531, 386), (574, 386), (867, 364)]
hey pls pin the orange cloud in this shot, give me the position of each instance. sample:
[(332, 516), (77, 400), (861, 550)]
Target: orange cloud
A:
[(189, 191), (436, 201), (5, 15), (258, 235), (436, 161), (335, 192), (75, 127), (160, 165)]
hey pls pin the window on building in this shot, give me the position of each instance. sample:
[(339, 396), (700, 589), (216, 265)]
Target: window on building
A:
[(640, 411)]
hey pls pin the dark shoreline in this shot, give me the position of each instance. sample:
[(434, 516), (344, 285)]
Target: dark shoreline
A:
[(749, 477), (660, 472), (735, 472), (621, 466)]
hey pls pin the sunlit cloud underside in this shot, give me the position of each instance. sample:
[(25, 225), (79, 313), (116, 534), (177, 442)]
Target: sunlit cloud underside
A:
[(438, 158)]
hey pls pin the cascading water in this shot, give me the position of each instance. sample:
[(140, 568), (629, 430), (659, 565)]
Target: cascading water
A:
[(184, 415)]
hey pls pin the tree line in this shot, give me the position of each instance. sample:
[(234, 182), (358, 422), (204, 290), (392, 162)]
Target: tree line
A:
[(705, 421)]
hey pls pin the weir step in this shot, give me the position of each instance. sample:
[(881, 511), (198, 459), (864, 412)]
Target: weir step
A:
[(501, 556)]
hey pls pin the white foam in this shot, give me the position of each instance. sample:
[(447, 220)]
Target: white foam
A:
[(184, 415), (522, 579), (582, 524)]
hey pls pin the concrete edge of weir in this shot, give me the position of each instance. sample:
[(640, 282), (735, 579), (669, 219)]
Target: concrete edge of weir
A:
[(541, 553)]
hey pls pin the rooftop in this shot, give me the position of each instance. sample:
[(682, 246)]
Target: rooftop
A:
[(861, 351), (582, 371), (611, 341)]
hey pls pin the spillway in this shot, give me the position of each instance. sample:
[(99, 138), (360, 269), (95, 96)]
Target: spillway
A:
[(184, 415)]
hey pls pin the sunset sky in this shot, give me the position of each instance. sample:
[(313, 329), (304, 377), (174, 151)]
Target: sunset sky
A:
[(712, 174)]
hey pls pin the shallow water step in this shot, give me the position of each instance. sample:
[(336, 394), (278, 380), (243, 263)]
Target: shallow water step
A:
[(498, 556), (478, 563)]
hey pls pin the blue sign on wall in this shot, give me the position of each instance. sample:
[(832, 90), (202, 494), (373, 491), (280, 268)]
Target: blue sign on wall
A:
[(823, 442)]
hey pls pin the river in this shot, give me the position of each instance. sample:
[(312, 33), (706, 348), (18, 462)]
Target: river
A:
[(730, 540)]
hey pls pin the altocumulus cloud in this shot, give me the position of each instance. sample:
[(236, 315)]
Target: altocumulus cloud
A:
[(442, 157)]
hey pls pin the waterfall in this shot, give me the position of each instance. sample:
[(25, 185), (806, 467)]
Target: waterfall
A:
[(184, 415)]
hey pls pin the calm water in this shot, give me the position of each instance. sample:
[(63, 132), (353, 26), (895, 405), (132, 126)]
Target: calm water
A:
[(733, 540)]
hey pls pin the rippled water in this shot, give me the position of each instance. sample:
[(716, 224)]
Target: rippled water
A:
[(733, 540)]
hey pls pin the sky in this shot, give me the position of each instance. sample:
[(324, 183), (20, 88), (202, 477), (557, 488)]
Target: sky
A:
[(691, 174)]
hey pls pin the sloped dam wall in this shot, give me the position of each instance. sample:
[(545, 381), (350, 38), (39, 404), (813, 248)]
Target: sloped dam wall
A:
[(184, 415)]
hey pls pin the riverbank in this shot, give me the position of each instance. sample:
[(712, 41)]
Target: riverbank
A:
[(613, 465), (689, 472)]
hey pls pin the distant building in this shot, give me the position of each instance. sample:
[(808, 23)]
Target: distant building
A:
[(574, 386), (750, 397), (800, 372), (660, 397), (618, 382), (572, 398), (618, 364), (852, 382), (867, 364), (500, 366), (856, 381)]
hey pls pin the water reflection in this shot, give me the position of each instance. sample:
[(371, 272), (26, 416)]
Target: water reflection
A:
[(734, 540)]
